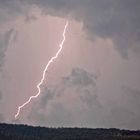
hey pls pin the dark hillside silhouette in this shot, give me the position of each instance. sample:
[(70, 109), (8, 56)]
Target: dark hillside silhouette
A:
[(24, 132)]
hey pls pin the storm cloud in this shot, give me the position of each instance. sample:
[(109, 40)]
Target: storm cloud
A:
[(117, 20), (109, 19), (132, 96), (80, 78), (4, 42), (76, 102), (79, 87), (11, 10)]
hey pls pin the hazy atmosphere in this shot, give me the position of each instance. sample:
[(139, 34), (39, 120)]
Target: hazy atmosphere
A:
[(94, 82)]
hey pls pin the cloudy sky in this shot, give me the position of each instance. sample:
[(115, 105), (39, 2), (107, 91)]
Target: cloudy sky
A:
[(95, 82)]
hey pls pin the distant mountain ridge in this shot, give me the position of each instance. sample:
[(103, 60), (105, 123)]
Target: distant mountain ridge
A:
[(24, 132)]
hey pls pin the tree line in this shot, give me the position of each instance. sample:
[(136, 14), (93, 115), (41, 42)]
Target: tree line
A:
[(24, 132)]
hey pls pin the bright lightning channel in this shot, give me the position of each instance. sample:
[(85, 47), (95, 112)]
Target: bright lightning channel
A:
[(44, 72)]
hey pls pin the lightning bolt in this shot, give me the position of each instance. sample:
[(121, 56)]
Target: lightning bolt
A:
[(44, 72)]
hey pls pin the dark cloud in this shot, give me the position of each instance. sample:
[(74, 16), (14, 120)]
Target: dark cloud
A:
[(89, 98), (30, 18), (80, 78), (125, 114), (118, 20), (38, 109), (131, 91), (132, 96), (85, 84), (4, 42), (47, 95), (51, 106), (76, 102), (10, 10)]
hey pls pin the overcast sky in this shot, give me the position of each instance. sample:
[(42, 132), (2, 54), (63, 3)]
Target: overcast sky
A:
[(95, 82)]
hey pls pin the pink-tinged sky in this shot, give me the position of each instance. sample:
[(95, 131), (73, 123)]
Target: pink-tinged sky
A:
[(95, 80)]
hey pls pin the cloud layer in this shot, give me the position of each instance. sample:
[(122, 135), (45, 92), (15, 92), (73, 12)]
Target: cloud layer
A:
[(78, 90), (4, 41), (76, 102), (118, 20)]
